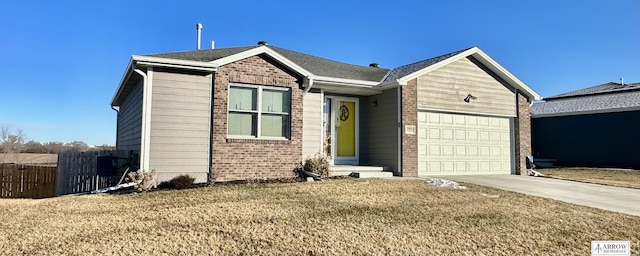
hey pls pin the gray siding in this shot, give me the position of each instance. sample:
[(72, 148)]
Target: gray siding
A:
[(445, 88), (379, 130), (180, 125), (129, 121), (311, 124)]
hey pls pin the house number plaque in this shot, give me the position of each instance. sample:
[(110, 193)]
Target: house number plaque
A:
[(409, 129)]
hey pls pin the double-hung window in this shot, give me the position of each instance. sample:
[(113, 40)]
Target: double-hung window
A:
[(257, 111)]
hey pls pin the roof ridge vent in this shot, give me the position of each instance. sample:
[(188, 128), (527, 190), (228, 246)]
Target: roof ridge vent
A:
[(261, 43), (375, 65)]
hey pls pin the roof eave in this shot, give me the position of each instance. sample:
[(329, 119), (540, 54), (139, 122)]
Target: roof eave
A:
[(586, 112), (485, 60), (123, 80), (391, 84), (149, 61), (344, 81), (263, 50), (173, 63), (504, 73)]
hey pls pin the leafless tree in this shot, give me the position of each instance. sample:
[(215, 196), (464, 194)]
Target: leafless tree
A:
[(77, 146), (11, 143), (34, 147), (54, 147)]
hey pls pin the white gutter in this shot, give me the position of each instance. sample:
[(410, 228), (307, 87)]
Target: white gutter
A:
[(309, 84), (344, 81), (173, 63), (391, 84)]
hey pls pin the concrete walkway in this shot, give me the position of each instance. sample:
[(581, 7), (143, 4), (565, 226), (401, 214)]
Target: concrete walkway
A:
[(623, 200)]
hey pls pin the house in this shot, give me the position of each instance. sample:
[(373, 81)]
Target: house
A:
[(592, 127), (259, 111)]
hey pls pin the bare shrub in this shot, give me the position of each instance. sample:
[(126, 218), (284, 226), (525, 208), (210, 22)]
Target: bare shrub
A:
[(182, 182), (145, 180), (317, 164)]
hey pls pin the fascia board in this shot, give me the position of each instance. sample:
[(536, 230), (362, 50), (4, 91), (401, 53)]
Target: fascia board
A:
[(484, 59), (344, 81), (262, 50), (165, 62), (123, 81), (505, 74), (424, 71), (391, 84)]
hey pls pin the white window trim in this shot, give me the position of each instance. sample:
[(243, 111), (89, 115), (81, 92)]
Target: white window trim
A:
[(259, 112)]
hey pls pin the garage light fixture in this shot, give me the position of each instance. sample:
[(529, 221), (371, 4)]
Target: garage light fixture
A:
[(469, 98)]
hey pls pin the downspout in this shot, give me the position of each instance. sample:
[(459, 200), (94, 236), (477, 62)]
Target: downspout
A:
[(117, 130), (400, 130), (211, 177), (517, 138), (143, 140), (309, 84)]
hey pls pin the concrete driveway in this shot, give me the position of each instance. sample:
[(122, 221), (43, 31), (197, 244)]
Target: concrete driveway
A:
[(623, 200)]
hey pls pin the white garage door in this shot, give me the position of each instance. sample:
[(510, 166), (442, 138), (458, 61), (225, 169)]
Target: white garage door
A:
[(463, 144)]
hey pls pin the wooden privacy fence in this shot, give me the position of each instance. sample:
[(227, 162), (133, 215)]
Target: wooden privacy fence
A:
[(77, 171), (27, 181)]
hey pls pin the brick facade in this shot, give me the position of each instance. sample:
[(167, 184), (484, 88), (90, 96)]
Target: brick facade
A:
[(241, 159), (522, 129), (410, 117)]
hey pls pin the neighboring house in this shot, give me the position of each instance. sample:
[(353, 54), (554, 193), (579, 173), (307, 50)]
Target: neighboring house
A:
[(592, 127), (259, 111)]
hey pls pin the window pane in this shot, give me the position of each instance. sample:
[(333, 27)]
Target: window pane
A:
[(274, 125), (275, 101), (242, 124), (242, 98)]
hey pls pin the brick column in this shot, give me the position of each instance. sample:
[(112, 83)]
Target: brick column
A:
[(410, 117), (522, 135)]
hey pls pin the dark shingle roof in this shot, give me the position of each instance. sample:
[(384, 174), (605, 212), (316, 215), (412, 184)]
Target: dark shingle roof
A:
[(326, 67), (203, 55), (598, 89), (402, 71), (316, 65), (601, 98)]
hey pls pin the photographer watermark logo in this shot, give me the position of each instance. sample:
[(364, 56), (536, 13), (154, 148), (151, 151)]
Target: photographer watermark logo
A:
[(611, 248)]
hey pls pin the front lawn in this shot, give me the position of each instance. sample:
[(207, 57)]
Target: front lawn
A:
[(336, 217), (612, 177)]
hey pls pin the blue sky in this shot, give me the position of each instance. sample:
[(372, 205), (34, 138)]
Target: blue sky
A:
[(61, 61)]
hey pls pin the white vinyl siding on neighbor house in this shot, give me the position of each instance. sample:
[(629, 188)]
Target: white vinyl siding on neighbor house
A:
[(311, 124), (456, 144), (259, 111), (180, 125), (130, 121)]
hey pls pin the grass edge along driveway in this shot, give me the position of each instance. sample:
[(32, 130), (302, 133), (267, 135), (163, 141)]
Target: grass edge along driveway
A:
[(625, 178)]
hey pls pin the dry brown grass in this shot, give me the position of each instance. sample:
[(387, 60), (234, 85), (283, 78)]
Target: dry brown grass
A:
[(612, 177), (27, 158), (338, 217)]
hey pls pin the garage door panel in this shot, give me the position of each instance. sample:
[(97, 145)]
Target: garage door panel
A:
[(463, 144)]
